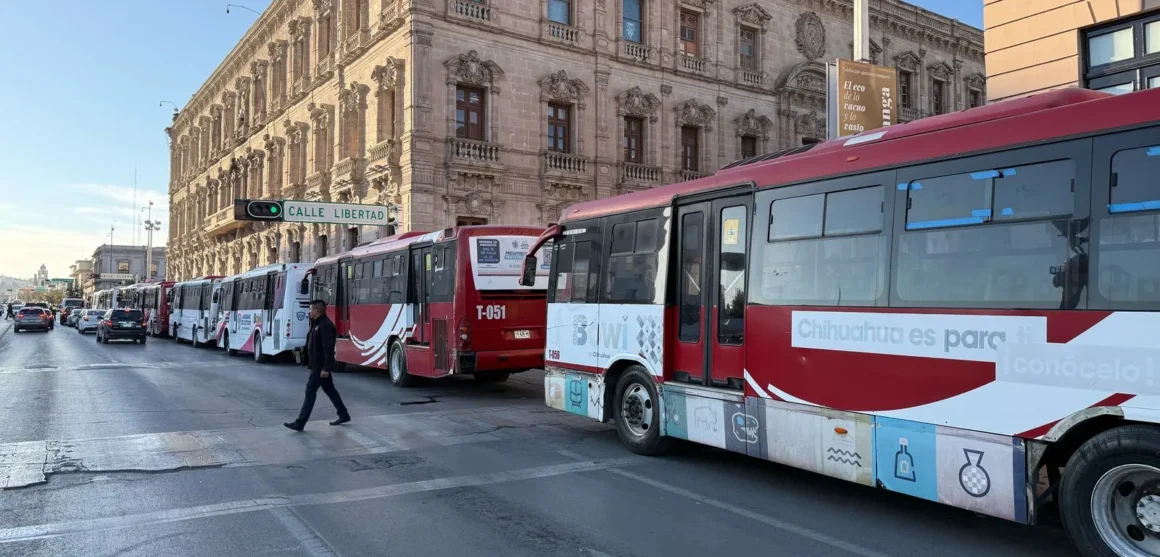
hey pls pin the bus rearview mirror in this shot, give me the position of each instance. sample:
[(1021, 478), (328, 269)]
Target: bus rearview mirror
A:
[(528, 273), (304, 287)]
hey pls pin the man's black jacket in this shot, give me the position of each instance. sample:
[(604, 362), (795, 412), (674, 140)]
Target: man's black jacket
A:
[(320, 345)]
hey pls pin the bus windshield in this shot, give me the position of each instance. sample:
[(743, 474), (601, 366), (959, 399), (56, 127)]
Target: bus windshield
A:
[(496, 262)]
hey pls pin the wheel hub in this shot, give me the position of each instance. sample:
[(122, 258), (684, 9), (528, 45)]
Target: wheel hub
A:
[(1148, 512)]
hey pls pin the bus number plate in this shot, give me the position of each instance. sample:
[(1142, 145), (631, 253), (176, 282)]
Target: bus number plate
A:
[(492, 312), (523, 333)]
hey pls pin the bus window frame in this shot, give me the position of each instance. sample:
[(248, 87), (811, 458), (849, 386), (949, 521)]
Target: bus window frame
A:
[(1079, 151)]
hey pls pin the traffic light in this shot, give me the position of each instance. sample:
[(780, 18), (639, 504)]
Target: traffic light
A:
[(248, 209)]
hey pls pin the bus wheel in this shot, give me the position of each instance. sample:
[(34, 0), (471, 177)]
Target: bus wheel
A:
[(397, 366), (1110, 494), (258, 355), (193, 338), (492, 377), (229, 350), (637, 413)]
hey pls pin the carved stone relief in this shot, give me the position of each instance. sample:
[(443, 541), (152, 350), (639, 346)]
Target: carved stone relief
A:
[(750, 123), (693, 113), (752, 14), (908, 61), (468, 69), (811, 36), (941, 70), (558, 87)]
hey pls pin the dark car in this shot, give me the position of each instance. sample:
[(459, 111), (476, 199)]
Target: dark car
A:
[(121, 324), (33, 318), (66, 307)]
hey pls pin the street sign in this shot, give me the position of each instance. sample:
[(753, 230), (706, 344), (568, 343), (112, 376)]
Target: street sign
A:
[(115, 276), (865, 97), (251, 209), (335, 213)]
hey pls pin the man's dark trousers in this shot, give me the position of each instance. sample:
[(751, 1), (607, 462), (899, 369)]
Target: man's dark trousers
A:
[(320, 350)]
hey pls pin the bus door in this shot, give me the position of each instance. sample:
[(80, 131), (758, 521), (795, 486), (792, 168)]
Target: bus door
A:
[(275, 291), (422, 276), (341, 296), (713, 241)]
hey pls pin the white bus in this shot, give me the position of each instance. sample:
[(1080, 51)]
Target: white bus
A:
[(193, 310), (264, 311), (108, 298)]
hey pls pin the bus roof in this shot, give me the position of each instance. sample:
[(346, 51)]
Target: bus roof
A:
[(273, 267), (401, 241), (1036, 118)]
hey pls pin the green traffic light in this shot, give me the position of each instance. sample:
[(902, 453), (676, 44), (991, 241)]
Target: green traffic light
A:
[(274, 209)]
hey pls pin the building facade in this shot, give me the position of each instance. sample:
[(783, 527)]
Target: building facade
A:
[(474, 111), (123, 265), (80, 272), (1109, 45)]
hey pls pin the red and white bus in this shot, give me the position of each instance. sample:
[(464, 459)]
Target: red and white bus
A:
[(151, 298), (962, 308), (193, 310), (264, 311), (431, 305)]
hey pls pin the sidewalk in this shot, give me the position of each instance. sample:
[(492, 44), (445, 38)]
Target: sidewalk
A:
[(5, 327)]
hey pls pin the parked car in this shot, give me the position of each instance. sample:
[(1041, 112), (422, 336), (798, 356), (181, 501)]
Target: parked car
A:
[(66, 307), (122, 323), (33, 318), (89, 319)]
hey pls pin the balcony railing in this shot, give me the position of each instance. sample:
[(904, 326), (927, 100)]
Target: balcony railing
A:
[(692, 64), (632, 172), (907, 114), (301, 85), (221, 222), (472, 151), (687, 175), (473, 11), (381, 153), (318, 181), (563, 33), (354, 44), (389, 17), (635, 51), (565, 163), (325, 67), (752, 78), (350, 169)]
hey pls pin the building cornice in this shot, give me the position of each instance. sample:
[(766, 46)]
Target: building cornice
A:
[(238, 60)]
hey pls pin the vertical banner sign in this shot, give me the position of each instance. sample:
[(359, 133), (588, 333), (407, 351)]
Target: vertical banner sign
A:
[(865, 97)]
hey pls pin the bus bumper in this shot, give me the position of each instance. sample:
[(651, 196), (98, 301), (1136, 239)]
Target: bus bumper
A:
[(501, 360)]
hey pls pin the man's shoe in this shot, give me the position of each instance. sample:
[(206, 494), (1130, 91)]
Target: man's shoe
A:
[(294, 426), (341, 420)]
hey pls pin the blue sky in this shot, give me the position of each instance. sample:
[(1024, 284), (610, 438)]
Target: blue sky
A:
[(80, 111)]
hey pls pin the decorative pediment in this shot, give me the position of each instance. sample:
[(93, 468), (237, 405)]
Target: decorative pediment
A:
[(255, 156), (908, 61), (941, 70), (320, 115), (976, 81), (693, 113), (810, 36), (752, 14), (276, 50), (350, 99), (635, 102), (559, 88), (387, 76), (273, 145), (702, 4), (258, 68), (323, 7), (470, 70), (299, 28), (750, 123), (295, 131), (807, 76), (228, 99), (204, 122)]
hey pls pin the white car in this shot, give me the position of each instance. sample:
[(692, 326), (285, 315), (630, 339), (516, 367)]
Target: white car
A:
[(89, 320)]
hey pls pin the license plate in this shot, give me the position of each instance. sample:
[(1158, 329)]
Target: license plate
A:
[(128, 324), (523, 333)]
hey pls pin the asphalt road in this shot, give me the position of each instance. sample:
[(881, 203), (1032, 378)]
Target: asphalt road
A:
[(164, 449)]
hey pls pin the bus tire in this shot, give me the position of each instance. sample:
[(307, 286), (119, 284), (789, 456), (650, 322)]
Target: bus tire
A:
[(397, 366), (258, 355), (492, 377), (226, 342), (1110, 493), (636, 410), (193, 338)]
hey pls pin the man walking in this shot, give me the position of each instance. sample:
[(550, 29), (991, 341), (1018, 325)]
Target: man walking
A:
[(320, 359)]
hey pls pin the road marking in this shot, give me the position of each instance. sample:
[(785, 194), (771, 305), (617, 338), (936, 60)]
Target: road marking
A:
[(309, 538), (767, 520), (29, 463), (56, 529)]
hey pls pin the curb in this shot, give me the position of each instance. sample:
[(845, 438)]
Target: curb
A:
[(5, 330)]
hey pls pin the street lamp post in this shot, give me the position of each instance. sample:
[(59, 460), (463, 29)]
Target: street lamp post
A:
[(150, 227)]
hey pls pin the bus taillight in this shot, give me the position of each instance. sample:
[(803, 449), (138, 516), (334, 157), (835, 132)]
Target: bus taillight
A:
[(464, 335), (287, 328)]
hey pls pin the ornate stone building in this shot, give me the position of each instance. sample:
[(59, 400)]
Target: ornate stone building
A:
[(472, 111)]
